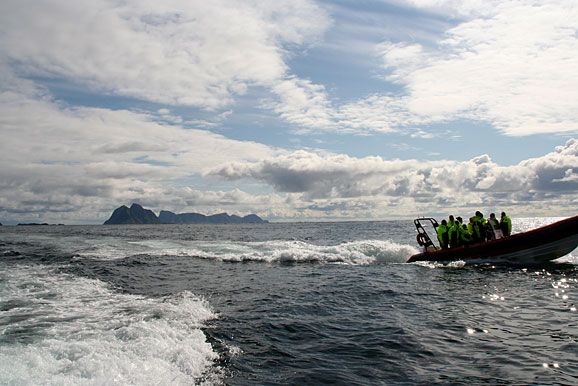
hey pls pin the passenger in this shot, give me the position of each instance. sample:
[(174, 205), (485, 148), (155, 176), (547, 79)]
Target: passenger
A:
[(442, 232), (479, 227), (466, 235), (451, 221), (453, 234), (460, 230), (475, 229), (505, 225), (472, 229), (493, 231)]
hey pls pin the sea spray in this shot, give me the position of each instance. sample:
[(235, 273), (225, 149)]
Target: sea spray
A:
[(355, 252), (63, 329)]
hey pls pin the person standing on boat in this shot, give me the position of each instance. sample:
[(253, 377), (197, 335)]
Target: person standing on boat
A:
[(466, 235), (472, 230), (453, 234), (479, 227), (460, 231), (505, 225), (442, 232)]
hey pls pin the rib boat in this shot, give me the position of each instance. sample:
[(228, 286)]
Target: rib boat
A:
[(533, 247)]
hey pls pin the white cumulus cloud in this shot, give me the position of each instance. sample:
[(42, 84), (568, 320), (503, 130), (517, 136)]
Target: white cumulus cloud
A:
[(57, 158), (480, 181), (510, 63), (198, 53)]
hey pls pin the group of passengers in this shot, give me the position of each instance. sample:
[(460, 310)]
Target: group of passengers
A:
[(454, 233)]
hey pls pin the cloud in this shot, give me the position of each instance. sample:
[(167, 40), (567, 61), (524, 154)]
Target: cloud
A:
[(302, 103), (401, 57), (556, 172), (507, 63), (318, 175), (479, 181), (77, 198), (65, 159), (379, 113), (82, 135), (309, 107), (458, 8), (175, 52)]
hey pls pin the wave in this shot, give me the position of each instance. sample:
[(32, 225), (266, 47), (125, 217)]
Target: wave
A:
[(355, 252), (63, 329)]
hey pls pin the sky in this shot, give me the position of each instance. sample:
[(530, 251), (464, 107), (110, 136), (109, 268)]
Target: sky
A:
[(296, 110)]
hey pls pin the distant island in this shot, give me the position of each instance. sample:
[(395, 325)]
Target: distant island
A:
[(35, 224), (136, 214)]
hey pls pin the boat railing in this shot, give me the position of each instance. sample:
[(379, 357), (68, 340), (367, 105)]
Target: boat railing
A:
[(423, 238)]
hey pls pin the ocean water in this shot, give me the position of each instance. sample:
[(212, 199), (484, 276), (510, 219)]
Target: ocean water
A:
[(275, 304)]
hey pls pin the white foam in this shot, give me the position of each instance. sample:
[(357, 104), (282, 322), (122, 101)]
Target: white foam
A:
[(457, 264), (79, 331), (356, 252)]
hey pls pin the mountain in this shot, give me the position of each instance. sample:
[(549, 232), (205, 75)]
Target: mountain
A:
[(166, 217), (253, 219), (136, 214)]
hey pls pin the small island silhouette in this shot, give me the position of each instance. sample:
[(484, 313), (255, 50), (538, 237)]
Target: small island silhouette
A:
[(136, 214)]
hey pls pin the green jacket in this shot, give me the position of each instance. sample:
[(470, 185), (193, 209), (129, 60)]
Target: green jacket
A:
[(465, 234), (442, 232), (506, 225), (479, 227), (454, 234)]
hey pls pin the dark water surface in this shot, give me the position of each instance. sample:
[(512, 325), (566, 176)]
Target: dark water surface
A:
[(323, 303)]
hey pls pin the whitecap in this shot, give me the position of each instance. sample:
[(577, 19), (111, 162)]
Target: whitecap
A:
[(74, 330), (283, 251)]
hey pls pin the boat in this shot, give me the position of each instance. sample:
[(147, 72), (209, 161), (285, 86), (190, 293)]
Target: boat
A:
[(533, 247)]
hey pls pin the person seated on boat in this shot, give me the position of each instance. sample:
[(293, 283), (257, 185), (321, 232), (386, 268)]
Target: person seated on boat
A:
[(493, 231), (453, 234), (442, 232), (466, 235), (479, 227), (505, 225)]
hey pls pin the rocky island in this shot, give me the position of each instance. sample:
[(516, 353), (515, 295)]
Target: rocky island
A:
[(136, 214)]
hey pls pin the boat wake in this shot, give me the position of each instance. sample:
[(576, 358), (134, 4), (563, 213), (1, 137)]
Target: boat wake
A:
[(355, 252), (74, 330)]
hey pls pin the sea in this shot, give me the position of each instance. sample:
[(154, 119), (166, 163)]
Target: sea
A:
[(275, 304)]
